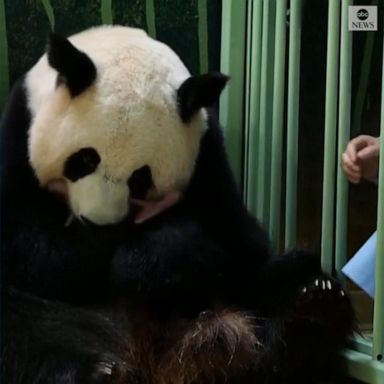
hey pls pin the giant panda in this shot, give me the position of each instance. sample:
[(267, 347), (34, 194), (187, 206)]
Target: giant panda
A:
[(127, 253)]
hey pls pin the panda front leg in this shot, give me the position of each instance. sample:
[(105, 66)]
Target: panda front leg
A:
[(312, 316)]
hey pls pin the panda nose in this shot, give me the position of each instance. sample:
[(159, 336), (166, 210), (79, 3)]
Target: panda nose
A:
[(140, 182)]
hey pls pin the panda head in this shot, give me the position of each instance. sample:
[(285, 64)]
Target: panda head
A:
[(116, 119)]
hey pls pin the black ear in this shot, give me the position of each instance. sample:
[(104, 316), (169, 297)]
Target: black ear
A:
[(75, 68), (198, 92)]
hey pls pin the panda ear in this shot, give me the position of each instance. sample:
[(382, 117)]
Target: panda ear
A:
[(75, 68), (199, 91)]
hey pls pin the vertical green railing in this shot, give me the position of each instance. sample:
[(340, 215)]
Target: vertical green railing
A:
[(233, 43), (277, 121), (4, 73), (255, 15), (264, 67), (247, 104), (264, 113), (150, 17), (106, 12), (203, 35), (330, 136), (265, 119), (364, 76), (378, 321), (343, 137), (293, 122)]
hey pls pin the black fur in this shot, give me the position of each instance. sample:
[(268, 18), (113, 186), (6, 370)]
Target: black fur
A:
[(75, 68), (198, 92), (71, 294), (81, 163), (140, 182)]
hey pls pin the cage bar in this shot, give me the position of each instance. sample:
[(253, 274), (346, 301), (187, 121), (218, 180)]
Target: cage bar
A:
[(253, 101), (345, 88), (4, 71), (278, 120), (106, 12), (203, 35), (266, 94), (293, 122), (378, 319), (233, 40), (150, 15), (330, 137)]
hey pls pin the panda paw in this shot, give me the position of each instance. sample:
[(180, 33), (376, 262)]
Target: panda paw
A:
[(322, 299), (103, 370), (323, 288)]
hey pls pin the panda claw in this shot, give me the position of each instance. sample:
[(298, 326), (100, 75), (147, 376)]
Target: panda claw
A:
[(329, 285), (342, 293), (316, 282), (304, 290), (105, 368), (323, 286)]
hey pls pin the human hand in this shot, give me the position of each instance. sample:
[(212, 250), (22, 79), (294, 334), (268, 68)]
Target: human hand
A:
[(361, 158)]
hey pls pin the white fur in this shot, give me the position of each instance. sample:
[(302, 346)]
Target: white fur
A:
[(129, 115)]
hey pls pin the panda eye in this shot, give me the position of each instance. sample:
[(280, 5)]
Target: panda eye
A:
[(81, 164)]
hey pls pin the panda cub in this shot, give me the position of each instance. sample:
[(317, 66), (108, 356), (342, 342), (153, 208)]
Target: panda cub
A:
[(127, 253)]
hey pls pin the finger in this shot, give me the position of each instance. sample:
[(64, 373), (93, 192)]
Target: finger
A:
[(356, 145), (354, 179), (367, 153), (362, 141), (347, 161), (352, 176), (351, 152), (351, 173)]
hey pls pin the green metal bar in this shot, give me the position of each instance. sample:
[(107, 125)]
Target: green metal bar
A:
[(293, 122), (247, 86), (330, 135), (106, 12), (378, 317), (345, 89), (363, 81), (151, 17), (262, 211), (49, 12), (363, 367), (269, 109), (255, 38), (203, 35), (233, 63), (4, 72), (278, 120)]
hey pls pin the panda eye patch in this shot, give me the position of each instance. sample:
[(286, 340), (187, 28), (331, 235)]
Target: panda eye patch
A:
[(81, 164), (140, 182)]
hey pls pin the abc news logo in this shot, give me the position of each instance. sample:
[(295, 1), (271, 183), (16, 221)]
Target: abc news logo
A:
[(362, 18), (363, 14)]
